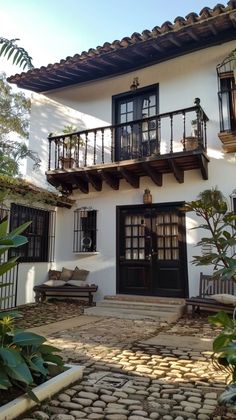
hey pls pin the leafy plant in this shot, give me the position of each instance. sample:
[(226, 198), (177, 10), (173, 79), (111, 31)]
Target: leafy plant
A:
[(11, 49), (220, 226), (24, 358), (224, 356)]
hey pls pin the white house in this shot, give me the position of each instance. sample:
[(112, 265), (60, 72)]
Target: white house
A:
[(155, 111)]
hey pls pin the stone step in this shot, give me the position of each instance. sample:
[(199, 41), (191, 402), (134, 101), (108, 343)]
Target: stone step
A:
[(161, 307), (147, 299), (132, 314)]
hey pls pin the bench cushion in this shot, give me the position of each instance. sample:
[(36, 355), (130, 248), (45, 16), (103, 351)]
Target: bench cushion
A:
[(225, 298), (54, 283)]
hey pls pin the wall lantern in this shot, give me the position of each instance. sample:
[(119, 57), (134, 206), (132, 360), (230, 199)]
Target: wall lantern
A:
[(147, 197), (135, 84)]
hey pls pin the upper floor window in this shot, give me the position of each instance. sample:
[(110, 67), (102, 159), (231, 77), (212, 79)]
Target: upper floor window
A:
[(40, 233), (134, 140), (85, 230), (227, 93)]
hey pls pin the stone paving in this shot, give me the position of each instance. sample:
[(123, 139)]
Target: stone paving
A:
[(128, 379)]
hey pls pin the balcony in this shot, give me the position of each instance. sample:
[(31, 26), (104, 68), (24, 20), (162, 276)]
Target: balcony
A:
[(173, 142)]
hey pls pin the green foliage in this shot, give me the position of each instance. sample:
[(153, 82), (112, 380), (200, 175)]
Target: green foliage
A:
[(224, 357), (24, 358), (14, 127), (19, 55), (220, 228), (23, 355), (10, 240)]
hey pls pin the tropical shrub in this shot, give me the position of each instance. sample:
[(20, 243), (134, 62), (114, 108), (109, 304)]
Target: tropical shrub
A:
[(24, 356)]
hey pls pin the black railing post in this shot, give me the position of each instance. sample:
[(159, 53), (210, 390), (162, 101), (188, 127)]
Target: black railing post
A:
[(49, 153), (171, 133), (184, 131), (86, 149), (94, 147), (102, 131)]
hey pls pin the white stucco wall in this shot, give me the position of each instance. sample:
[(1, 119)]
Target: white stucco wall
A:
[(180, 81)]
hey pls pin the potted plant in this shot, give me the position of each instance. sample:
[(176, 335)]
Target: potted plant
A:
[(69, 143)]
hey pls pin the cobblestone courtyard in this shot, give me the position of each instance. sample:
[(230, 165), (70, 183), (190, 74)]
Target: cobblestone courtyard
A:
[(126, 377)]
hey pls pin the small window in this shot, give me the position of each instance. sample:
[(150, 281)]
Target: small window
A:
[(40, 233), (85, 230), (227, 93)]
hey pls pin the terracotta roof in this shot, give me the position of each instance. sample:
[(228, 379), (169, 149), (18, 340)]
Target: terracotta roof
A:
[(21, 187), (194, 32)]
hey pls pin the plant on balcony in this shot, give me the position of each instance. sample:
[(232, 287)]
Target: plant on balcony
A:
[(23, 355), (69, 145)]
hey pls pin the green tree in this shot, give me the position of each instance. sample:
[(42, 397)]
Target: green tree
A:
[(14, 127), (220, 227), (18, 54)]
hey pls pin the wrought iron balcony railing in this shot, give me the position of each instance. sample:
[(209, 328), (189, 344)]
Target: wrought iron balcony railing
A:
[(183, 130)]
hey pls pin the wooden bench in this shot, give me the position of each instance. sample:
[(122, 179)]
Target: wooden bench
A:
[(42, 291), (211, 286)]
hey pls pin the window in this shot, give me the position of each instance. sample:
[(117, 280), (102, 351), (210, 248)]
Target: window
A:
[(136, 138), (227, 94), (85, 230), (40, 234)]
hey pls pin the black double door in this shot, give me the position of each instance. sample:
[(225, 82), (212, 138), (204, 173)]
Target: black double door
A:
[(151, 257)]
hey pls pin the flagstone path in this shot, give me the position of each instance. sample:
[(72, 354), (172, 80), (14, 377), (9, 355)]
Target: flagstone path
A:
[(127, 376)]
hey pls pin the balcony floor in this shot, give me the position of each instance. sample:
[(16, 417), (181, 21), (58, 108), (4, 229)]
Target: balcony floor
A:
[(153, 166)]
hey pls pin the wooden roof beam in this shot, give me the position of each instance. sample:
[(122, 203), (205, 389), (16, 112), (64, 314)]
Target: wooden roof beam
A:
[(157, 47), (155, 176), (110, 179), (95, 181), (81, 182), (203, 166), (130, 177), (192, 34), (174, 41), (178, 173)]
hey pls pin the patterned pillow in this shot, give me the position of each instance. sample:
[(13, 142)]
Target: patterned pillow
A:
[(54, 275), (54, 283), (79, 274), (66, 274)]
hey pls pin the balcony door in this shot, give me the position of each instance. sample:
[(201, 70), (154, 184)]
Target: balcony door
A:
[(139, 139), (151, 256)]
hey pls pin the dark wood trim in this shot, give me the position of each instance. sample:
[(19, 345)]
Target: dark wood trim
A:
[(95, 180), (110, 179), (131, 178), (82, 184), (203, 167), (178, 173), (179, 205), (155, 176)]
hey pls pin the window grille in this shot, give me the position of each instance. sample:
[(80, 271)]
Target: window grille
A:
[(85, 230), (227, 93), (40, 233)]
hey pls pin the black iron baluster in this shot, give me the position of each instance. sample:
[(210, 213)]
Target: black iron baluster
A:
[(139, 140), (86, 149), (159, 133), (112, 145), (171, 133), (184, 131), (49, 154), (102, 131), (56, 146), (131, 142), (94, 146), (205, 134)]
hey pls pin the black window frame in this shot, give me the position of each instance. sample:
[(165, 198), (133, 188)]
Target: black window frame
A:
[(135, 150), (40, 233), (227, 93), (85, 231)]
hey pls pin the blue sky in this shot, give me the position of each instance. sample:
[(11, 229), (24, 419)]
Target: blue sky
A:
[(54, 29)]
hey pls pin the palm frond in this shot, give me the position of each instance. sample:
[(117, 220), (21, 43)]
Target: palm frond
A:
[(20, 55)]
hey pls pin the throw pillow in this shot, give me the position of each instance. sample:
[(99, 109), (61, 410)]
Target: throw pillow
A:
[(66, 274), (77, 283), (79, 274), (225, 298), (54, 283), (54, 275)]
